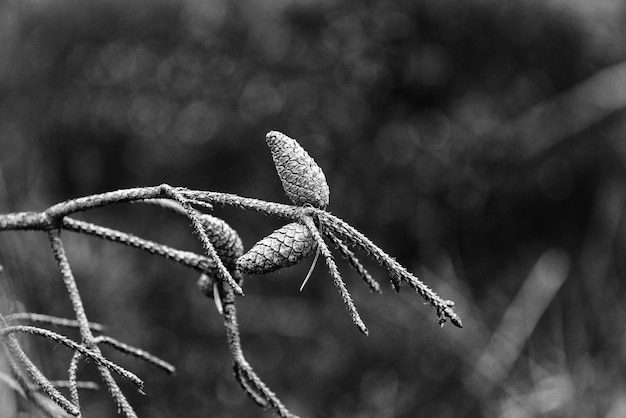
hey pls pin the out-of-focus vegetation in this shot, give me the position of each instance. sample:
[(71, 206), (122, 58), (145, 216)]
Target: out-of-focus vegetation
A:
[(482, 143)]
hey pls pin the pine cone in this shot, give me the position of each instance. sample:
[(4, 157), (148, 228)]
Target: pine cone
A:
[(282, 248), (224, 238), (303, 180)]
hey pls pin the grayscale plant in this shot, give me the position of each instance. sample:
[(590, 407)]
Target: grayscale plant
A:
[(308, 228)]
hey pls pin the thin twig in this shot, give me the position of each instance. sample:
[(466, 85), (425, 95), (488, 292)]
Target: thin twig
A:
[(168, 204), (252, 384), (82, 204), (228, 199), (116, 392), (209, 249), (52, 320), (47, 405), (73, 379), (354, 262), (24, 221), (80, 384), (70, 283), (217, 263), (97, 357), (396, 271), (88, 338), (248, 386), (186, 258), (334, 272), (136, 352), (35, 374)]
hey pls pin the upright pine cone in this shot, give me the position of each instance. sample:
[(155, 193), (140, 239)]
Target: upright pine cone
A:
[(282, 248), (303, 180), (224, 238)]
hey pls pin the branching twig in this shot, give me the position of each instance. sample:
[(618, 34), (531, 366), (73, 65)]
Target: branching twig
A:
[(47, 405), (397, 272), (185, 258), (82, 204), (88, 338), (198, 227), (354, 262), (97, 357), (244, 373), (228, 199), (222, 247), (17, 354), (168, 204), (332, 267)]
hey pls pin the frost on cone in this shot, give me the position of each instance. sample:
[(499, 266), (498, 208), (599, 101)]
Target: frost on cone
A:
[(303, 180), (282, 248), (224, 238)]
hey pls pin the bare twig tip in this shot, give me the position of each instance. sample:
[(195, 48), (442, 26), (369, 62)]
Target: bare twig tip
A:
[(238, 290)]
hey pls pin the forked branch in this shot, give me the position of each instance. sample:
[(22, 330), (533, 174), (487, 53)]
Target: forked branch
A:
[(221, 266)]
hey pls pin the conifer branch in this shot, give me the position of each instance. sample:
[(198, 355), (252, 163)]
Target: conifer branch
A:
[(398, 274), (18, 355), (51, 320), (334, 272), (222, 267), (248, 379), (185, 258), (354, 262), (136, 352), (88, 338), (209, 249), (32, 391), (58, 338), (73, 378)]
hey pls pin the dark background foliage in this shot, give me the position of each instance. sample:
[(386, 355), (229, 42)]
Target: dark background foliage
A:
[(481, 143)]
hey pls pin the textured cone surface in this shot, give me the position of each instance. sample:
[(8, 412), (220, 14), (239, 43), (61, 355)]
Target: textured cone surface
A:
[(282, 248), (224, 238), (303, 180)]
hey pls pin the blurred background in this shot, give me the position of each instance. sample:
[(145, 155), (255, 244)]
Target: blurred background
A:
[(480, 142)]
